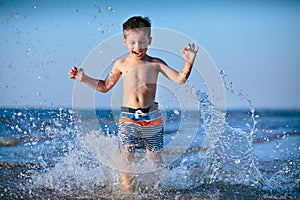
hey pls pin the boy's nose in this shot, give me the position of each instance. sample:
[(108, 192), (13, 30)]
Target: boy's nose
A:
[(139, 46)]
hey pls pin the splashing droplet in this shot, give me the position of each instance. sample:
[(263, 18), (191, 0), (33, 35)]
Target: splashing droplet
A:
[(176, 112), (28, 51), (15, 15), (110, 9)]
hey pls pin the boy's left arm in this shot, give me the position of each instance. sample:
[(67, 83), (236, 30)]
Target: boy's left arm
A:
[(189, 55)]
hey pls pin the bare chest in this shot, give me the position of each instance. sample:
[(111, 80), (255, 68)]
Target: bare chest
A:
[(140, 74)]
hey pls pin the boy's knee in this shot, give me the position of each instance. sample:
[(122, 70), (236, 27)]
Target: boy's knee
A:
[(127, 154), (155, 157), (130, 148)]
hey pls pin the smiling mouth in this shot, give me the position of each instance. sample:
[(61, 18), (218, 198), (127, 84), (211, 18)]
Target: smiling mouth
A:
[(138, 54)]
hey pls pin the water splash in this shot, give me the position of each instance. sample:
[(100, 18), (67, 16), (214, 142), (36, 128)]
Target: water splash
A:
[(69, 161), (224, 161)]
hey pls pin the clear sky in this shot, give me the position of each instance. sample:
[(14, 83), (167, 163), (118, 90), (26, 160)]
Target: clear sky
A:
[(256, 43)]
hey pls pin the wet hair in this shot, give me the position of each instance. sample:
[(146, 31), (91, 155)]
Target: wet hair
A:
[(138, 23)]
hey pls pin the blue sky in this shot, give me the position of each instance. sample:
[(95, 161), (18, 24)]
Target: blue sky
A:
[(256, 43)]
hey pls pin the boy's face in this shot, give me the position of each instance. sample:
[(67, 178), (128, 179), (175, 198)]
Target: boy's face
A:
[(137, 43)]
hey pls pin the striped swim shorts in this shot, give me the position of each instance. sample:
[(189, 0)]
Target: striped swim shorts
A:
[(142, 128)]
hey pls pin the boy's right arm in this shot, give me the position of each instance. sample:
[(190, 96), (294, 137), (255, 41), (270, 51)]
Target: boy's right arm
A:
[(96, 84), (79, 75)]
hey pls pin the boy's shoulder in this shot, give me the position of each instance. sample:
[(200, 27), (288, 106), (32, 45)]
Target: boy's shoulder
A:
[(154, 59), (151, 59), (120, 61), (157, 60)]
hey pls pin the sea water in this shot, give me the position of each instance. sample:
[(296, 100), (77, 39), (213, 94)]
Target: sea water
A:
[(49, 153)]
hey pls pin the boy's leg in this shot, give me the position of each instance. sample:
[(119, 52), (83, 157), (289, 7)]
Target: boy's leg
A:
[(155, 157), (127, 157), (155, 144)]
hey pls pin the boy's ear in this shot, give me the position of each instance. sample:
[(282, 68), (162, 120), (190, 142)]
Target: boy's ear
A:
[(124, 41), (150, 40)]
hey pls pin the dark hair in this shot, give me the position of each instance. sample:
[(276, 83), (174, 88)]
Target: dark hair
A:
[(138, 22)]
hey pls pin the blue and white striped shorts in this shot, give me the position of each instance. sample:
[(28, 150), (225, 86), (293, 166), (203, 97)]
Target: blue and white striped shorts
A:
[(141, 129)]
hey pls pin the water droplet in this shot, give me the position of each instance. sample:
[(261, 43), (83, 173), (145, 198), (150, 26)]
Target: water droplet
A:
[(237, 161), (222, 73), (28, 51), (110, 9), (15, 15)]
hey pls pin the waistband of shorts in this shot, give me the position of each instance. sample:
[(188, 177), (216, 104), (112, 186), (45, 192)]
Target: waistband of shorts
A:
[(141, 117), (143, 110)]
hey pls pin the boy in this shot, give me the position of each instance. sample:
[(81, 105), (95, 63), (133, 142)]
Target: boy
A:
[(140, 124)]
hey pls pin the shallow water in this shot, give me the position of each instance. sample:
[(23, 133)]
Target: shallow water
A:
[(46, 153)]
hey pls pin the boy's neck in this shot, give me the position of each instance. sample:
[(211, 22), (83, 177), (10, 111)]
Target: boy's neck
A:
[(144, 58)]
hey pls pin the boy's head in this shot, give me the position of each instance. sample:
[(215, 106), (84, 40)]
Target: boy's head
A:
[(137, 23), (137, 35)]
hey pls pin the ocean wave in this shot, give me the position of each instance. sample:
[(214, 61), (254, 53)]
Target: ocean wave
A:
[(13, 141)]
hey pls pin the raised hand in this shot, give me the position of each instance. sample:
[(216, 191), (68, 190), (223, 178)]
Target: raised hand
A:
[(189, 53), (76, 73)]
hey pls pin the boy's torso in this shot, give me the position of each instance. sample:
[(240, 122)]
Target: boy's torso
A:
[(139, 81)]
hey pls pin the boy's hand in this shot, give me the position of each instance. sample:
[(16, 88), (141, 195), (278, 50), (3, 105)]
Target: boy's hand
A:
[(76, 74), (189, 53)]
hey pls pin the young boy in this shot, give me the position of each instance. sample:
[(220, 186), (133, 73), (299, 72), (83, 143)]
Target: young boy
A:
[(140, 124)]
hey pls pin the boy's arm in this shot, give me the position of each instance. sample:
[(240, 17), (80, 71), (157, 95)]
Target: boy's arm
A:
[(96, 84), (110, 80), (189, 55)]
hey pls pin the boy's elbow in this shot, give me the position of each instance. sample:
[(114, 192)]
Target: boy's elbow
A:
[(181, 81), (181, 78), (102, 89)]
